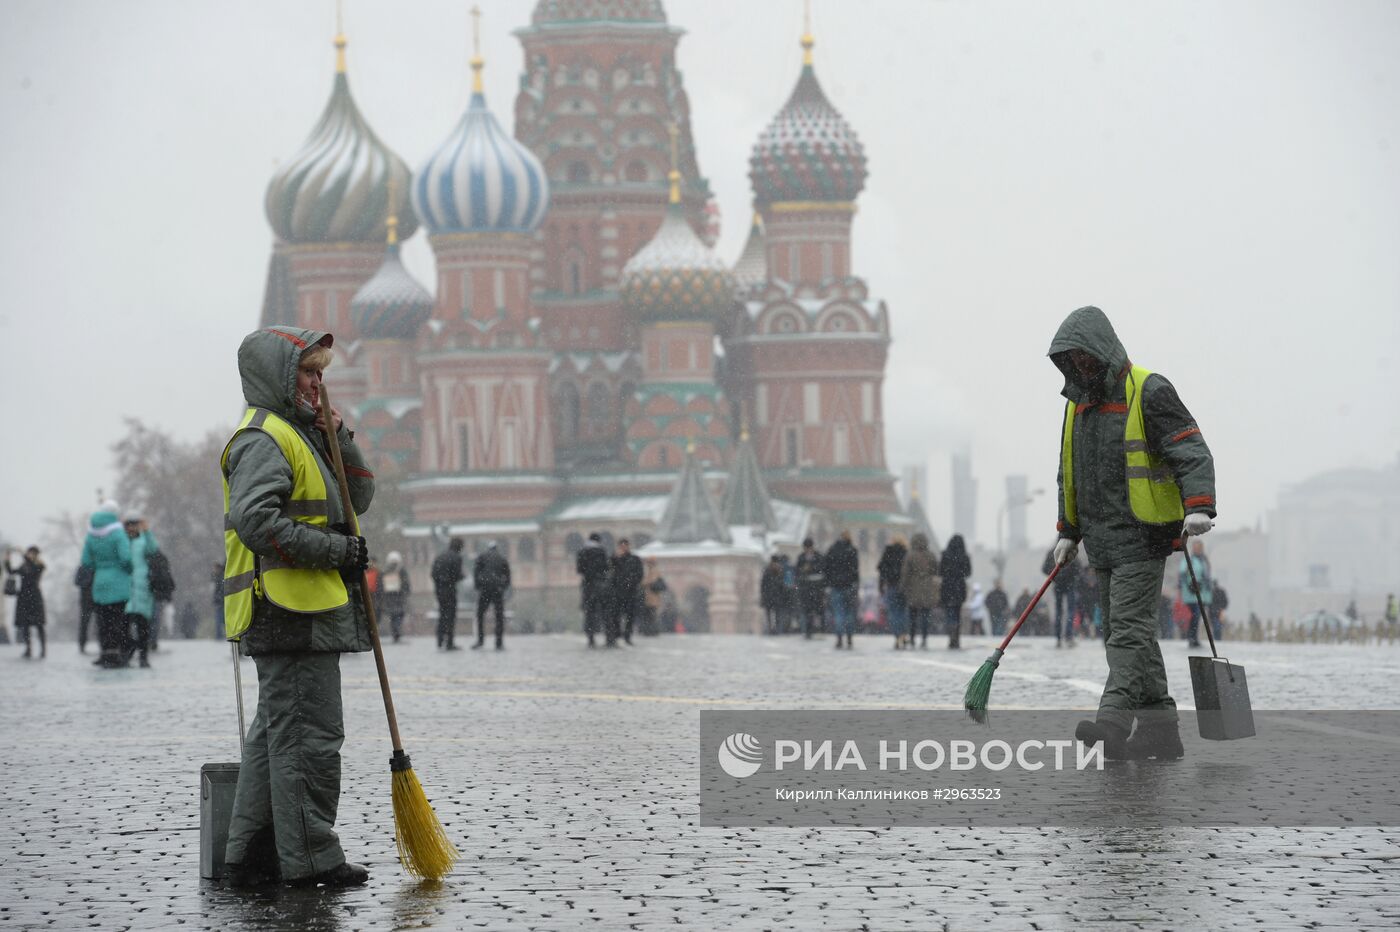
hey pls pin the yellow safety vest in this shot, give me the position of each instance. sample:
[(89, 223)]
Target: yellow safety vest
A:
[(1152, 490), (294, 588)]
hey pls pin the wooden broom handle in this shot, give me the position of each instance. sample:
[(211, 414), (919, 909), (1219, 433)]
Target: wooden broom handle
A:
[(366, 597)]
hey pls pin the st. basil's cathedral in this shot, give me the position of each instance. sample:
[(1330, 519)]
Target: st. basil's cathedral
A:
[(588, 363)]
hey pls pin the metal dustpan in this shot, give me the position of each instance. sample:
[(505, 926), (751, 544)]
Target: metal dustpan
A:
[(218, 784), (1223, 712)]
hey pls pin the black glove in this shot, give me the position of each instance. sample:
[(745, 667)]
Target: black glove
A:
[(356, 555)]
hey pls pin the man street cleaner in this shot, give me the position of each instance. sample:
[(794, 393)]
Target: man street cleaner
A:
[(1134, 473), (287, 543)]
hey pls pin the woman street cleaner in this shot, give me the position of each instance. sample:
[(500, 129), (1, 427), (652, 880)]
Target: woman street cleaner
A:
[(287, 543)]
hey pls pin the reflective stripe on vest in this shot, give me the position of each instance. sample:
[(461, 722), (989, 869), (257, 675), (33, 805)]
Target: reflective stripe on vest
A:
[(1152, 490), (287, 586)]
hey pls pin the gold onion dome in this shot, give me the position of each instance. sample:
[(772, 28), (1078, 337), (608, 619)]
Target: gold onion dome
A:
[(336, 188), (808, 152), (675, 276)]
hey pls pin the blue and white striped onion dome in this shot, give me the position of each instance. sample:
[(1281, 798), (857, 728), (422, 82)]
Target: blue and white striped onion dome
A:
[(336, 188), (481, 180), (676, 276), (391, 305)]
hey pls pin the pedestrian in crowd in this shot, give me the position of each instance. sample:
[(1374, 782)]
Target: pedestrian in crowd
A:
[(491, 577), (1201, 564), (446, 573), (162, 585), (653, 597), (107, 550), (627, 572), (955, 568), (787, 611), (770, 594), (372, 582), (187, 620), (1066, 589), (920, 585), (29, 599), (301, 616), (593, 567), (394, 590), (1090, 610), (888, 571), (141, 603), (1392, 609), (82, 579), (1023, 601), (997, 606), (1220, 603), (1135, 474), (977, 615), (841, 566), (217, 598), (811, 588)]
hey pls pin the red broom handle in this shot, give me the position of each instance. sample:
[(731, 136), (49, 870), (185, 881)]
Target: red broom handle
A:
[(366, 597), (1030, 608)]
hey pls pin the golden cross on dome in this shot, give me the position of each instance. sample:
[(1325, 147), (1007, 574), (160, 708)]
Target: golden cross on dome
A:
[(339, 37), (391, 223), (477, 60), (675, 175), (807, 40)]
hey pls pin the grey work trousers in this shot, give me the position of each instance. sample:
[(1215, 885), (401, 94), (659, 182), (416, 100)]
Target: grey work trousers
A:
[(289, 780), (1137, 678)]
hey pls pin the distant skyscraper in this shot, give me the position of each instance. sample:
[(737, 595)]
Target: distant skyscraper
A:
[(964, 498), (1016, 498)]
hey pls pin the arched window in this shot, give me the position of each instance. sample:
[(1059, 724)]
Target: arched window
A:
[(579, 173), (573, 270), (567, 414), (598, 409), (464, 447)]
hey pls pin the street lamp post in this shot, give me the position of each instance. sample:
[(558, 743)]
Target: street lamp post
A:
[(1000, 558)]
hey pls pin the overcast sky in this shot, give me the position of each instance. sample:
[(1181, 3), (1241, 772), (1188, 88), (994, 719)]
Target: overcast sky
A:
[(1220, 177)]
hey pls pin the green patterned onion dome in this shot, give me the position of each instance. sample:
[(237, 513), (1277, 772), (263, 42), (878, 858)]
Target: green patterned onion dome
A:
[(675, 276), (809, 152), (336, 189), (391, 305)]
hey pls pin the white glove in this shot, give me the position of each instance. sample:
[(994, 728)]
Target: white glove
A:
[(1065, 551), (1197, 524)]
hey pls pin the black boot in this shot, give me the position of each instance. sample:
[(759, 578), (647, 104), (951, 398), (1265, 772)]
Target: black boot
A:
[(1114, 739), (1155, 739), (346, 875)]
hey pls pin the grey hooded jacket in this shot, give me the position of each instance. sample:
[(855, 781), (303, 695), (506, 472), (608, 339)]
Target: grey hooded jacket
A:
[(260, 484), (1112, 535)]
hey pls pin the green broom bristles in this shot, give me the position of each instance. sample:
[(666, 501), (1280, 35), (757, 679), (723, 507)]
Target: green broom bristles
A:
[(424, 848), (979, 690)]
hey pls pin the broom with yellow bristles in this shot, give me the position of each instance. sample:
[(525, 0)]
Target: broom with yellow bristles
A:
[(424, 848)]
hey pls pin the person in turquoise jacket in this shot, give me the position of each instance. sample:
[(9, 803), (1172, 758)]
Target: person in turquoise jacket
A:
[(1201, 565), (108, 551), (141, 605)]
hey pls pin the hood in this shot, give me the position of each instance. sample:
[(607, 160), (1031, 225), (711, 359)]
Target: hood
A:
[(267, 363), (1088, 329), (103, 523)]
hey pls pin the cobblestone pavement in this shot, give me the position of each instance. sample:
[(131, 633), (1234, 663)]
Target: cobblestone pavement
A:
[(569, 779)]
